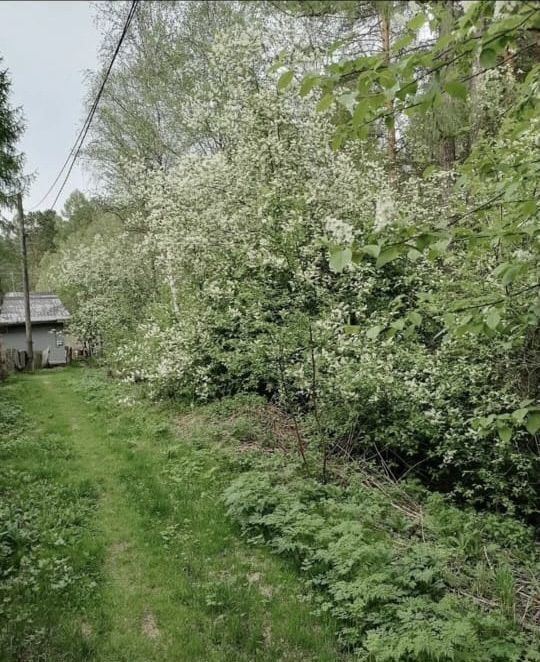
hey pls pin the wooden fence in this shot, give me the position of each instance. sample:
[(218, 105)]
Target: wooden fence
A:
[(13, 360)]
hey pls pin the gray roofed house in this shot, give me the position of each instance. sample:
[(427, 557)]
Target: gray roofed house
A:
[(48, 315)]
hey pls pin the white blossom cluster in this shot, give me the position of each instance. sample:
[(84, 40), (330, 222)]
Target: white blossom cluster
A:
[(219, 279)]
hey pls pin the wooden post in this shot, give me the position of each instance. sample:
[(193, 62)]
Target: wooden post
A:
[(26, 290)]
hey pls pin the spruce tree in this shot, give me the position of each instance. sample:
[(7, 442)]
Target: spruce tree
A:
[(11, 128)]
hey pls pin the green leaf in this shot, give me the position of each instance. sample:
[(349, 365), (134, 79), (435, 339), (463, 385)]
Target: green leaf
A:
[(429, 171), (339, 258), (417, 22), (387, 79), (387, 255), (325, 102), (285, 80), (415, 318), (357, 256), (488, 58), (533, 423), (403, 42), (511, 273), (308, 83), (424, 240), (372, 249), (338, 140), (361, 113), (408, 88), (456, 88), (493, 318), (529, 207), (505, 433), (519, 414), (373, 332), (462, 330), (375, 101), (444, 41), (348, 100), (351, 329), (449, 319), (501, 268)]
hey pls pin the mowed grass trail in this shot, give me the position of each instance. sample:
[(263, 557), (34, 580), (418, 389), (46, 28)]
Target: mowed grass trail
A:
[(114, 542)]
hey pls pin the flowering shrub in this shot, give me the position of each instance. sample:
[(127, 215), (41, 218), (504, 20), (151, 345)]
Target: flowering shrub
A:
[(250, 267)]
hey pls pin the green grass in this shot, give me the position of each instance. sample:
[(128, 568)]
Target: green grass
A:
[(114, 541)]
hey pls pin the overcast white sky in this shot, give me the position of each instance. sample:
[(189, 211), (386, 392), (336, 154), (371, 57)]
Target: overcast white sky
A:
[(47, 46)]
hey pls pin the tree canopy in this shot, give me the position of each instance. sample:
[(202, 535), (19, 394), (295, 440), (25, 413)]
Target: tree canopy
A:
[(334, 204)]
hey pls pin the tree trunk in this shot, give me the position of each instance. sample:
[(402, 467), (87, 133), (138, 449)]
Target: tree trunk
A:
[(385, 13), (447, 148)]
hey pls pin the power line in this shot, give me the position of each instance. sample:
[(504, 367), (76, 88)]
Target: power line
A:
[(77, 145), (86, 126)]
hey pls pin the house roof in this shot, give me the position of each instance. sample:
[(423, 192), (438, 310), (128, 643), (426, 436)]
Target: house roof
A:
[(43, 308)]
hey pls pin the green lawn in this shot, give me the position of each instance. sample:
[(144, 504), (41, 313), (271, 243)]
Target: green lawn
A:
[(114, 543)]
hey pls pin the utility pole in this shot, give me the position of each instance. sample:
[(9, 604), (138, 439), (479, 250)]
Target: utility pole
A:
[(26, 291)]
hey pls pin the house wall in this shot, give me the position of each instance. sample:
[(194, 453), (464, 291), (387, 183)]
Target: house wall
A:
[(43, 336)]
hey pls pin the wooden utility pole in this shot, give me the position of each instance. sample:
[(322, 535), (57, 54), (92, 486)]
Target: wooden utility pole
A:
[(26, 290)]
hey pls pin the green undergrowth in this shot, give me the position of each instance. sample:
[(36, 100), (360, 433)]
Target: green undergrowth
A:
[(398, 584), (116, 546), (115, 542), (407, 576), (49, 558)]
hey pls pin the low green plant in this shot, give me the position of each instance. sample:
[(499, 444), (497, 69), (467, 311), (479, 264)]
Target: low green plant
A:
[(406, 582), (47, 557)]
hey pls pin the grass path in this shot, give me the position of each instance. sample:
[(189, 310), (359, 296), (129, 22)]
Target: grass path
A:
[(158, 572)]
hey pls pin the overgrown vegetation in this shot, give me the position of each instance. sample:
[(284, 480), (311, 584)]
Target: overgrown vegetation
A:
[(396, 572), (49, 559), (405, 582), (114, 541), (406, 575), (334, 206), (338, 212)]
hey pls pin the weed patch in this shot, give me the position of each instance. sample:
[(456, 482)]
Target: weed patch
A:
[(440, 586), (49, 561)]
